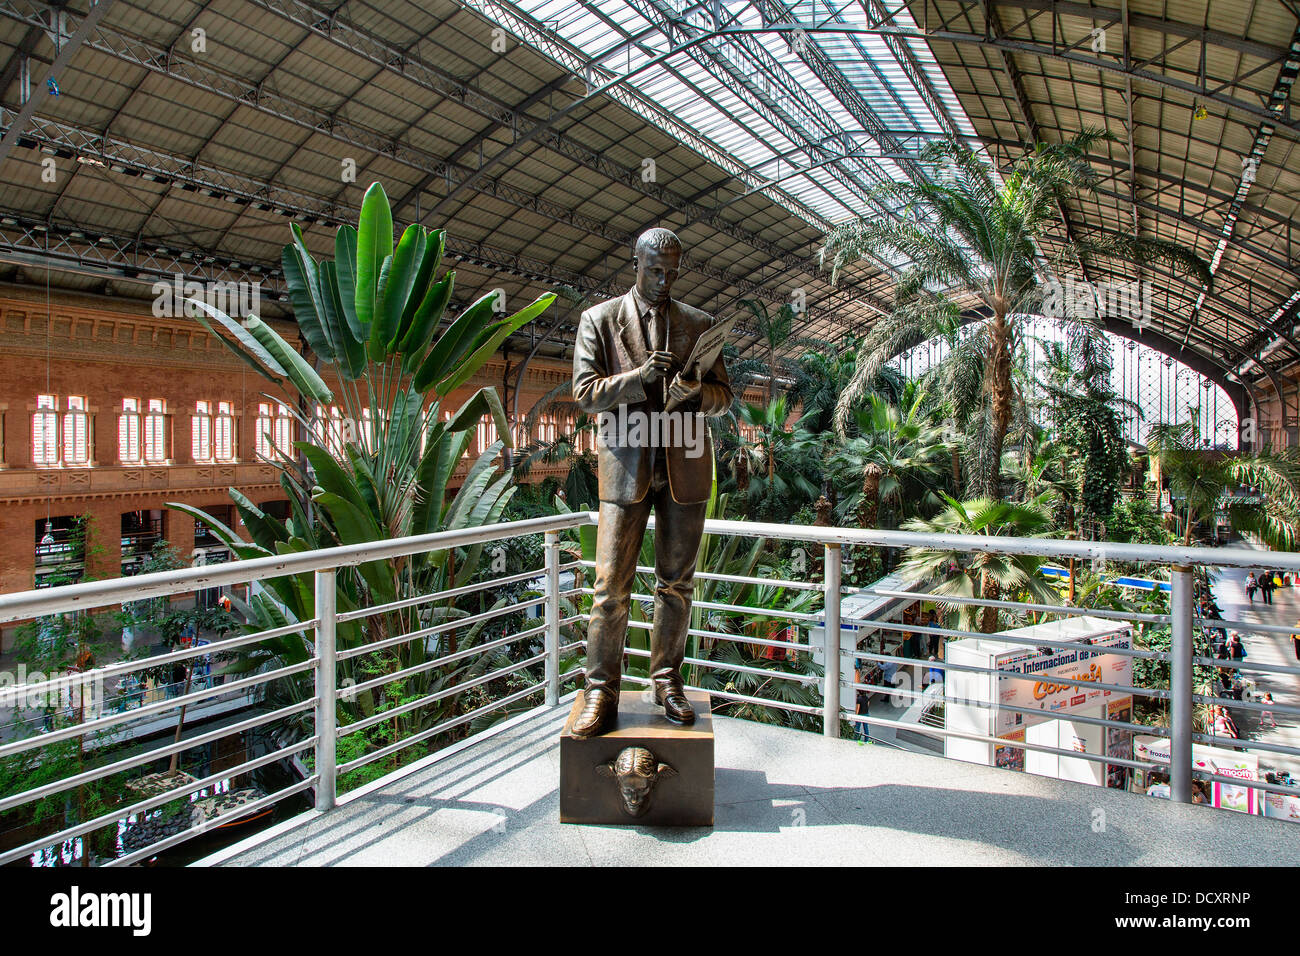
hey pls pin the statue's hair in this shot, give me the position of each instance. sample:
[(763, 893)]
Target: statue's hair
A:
[(657, 239), (635, 760)]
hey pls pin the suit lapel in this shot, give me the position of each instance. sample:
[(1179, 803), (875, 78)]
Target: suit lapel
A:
[(631, 336)]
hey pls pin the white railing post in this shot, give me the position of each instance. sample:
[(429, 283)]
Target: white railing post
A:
[(831, 674), (552, 606), (326, 690), (1180, 686)]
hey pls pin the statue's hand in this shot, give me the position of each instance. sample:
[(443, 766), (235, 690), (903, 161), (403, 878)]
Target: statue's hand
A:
[(683, 390), (656, 366)]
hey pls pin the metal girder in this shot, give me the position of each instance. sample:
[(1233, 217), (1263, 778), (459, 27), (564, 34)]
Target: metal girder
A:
[(1110, 16), (1202, 91), (143, 54), (1250, 163), (210, 182), (66, 51)]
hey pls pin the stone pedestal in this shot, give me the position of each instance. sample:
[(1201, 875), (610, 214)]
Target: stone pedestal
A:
[(673, 787)]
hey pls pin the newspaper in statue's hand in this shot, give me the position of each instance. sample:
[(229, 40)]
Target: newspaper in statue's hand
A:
[(702, 358)]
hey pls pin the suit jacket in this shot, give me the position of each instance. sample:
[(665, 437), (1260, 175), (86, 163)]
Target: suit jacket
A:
[(610, 350)]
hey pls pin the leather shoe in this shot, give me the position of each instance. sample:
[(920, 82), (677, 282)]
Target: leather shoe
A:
[(676, 706), (599, 710)]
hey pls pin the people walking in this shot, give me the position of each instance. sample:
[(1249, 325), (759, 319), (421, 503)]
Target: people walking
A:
[(1251, 586), (1266, 586), (1267, 715)]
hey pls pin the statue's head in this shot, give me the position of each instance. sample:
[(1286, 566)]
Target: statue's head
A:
[(636, 771), (657, 254)]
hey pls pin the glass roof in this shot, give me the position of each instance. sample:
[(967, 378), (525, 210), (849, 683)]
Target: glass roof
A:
[(753, 96)]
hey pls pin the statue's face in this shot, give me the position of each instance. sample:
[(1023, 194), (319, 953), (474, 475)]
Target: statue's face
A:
[(655, 274), (636, 793)]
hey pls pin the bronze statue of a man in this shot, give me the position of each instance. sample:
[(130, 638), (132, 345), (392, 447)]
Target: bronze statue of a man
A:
[(654, 452)]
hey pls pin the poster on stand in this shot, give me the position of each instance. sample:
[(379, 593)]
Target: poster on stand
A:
[(1282, 806), (1010, 758), (1037, 691), (1119, 742)]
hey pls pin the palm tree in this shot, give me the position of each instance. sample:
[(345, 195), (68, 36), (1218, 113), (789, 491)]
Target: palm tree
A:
[(1200, 480), (891, 458), (777, 457), (971, 237), (987, 575), (775, 329)]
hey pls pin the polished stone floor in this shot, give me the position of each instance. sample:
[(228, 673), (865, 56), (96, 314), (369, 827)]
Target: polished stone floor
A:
[(783, 797)]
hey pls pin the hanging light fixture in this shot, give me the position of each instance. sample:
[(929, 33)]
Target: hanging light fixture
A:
[(48, 538)]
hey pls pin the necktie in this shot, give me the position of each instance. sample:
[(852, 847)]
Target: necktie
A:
[(658, 337)]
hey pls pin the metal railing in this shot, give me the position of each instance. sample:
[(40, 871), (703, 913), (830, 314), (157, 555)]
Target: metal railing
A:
[(724, 622)]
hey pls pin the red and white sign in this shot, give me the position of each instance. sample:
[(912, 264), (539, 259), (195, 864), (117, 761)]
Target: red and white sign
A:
[(1049, 681)]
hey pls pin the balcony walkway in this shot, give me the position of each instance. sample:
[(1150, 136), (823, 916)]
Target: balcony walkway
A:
[(783, 797)]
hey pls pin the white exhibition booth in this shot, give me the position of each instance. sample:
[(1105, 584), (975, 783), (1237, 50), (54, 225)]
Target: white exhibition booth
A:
[(1038, 708)]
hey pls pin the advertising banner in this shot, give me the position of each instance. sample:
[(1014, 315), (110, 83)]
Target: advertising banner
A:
[(1227, 763), (1282, 806), (1038, 691)]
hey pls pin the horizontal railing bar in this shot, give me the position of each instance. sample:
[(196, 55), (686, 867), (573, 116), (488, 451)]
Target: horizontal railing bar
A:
[(1157, 731), (1236, 743), (37, 793), (1104, 613), (438, 596), (149, 803), (734, 578), (234, 813), (149, 710), (430, 631), (997, 544), (90, 594), (741, 609), (428, 699), (997, 741), (721, 635), (740, 698), (977, 669), (440, 728), (1248, 627), (1228, 663), (440, 661), (8, 694), (1003, 638), (1252, 784), (758, 671), (1248, 705)]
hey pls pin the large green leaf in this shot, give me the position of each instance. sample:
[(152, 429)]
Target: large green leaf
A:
[(426, 319), (374, 245), (234, 542), (435, 243), (299, 276), (504, 328), (455, 342), (480, 474), (345, 260), (302, 375), (266, 531), (351, 357), (355, 526), (441, 455), (407, 259), (333, 479), (485, 401), (260, 359)]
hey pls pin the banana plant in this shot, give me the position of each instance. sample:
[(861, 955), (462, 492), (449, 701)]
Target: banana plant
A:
[(375, 456)]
